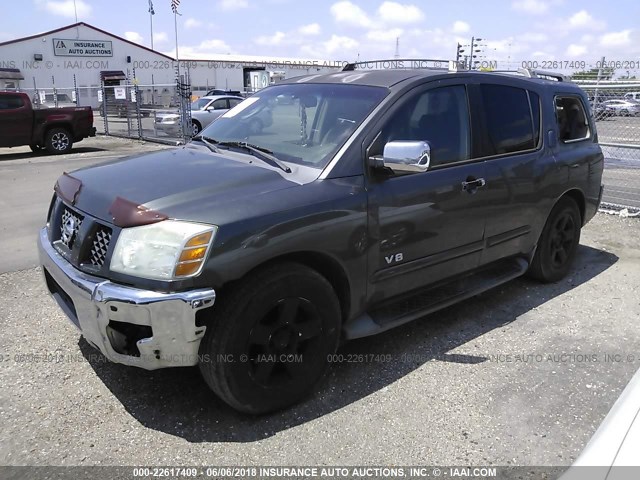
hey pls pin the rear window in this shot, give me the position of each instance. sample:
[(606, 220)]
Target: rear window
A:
[(571, 119), (11, 102)]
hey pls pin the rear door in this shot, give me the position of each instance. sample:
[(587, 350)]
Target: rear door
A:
[(517, 167), (16, 118), (426, 226)]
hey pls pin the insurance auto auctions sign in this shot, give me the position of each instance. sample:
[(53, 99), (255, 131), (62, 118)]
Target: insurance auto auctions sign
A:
[(63, 47)]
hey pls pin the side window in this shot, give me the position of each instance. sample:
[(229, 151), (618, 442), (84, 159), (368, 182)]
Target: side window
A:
[(11, 102), (509, 121), (233, 102), (572, 119), (440, 117), (220, 104)]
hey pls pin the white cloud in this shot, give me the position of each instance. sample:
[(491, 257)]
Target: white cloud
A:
[(460, 27), (616, 39), (214, 44), (574, 50), (397, 13), (233, 4), (387, 14), (271, 40), (543, 55), (206, 50), (384, 35), (533, 7), (583, 19), (311, 29), (65, 8), (133, 37), (340, 43), (345, 47), (192, 23), (160, 37), (350, 14)]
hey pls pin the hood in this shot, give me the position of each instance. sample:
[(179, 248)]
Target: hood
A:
[(177, 182)]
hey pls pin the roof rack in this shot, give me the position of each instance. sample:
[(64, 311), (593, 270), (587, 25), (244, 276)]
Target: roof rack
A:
[(403, 63), (445, 65), (533, 73)]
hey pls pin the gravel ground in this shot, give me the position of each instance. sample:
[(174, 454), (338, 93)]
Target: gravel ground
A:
[(452, 392)]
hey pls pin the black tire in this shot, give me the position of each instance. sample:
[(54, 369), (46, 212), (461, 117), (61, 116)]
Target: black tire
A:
[(58, 141), (280, 312), (197, 128), (558, 243), (36, 148)]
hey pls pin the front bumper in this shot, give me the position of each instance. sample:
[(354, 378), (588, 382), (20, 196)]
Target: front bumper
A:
[(94, 305)]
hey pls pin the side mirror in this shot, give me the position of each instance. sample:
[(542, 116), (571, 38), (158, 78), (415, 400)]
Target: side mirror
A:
[(406, 156)]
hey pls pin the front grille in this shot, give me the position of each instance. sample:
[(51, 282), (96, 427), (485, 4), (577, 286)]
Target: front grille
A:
[(69, 227), (100, 246), (80, 238)]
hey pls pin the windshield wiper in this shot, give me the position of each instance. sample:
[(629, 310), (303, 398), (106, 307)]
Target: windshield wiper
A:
[(211, 146), (262, 153)]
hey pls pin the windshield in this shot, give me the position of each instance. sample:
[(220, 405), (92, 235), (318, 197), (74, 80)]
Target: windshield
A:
[(301, 123)]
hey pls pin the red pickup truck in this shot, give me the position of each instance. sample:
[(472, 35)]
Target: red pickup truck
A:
[(53, 129)]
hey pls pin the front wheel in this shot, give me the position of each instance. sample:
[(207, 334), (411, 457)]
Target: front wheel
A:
[(271, 338), (58, 140), (36, 148), (558, 243)]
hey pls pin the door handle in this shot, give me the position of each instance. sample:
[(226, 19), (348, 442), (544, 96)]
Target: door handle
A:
[(470, 185)]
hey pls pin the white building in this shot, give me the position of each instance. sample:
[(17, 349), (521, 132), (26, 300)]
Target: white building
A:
[(79, 58)]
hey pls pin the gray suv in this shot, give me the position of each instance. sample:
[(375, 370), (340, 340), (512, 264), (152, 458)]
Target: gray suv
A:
[(372, 199)]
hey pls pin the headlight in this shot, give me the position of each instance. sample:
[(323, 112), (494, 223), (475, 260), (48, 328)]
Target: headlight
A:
[(166, 250)]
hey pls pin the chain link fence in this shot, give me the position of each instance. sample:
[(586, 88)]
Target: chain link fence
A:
[(159, 112), (616, 109)]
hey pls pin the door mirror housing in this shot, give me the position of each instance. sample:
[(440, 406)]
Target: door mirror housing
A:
[(405, 156)]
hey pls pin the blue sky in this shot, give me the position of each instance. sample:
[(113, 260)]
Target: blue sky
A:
[(512, 30)]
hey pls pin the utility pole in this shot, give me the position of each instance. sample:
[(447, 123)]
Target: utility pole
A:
[(397, 47), (151, 14)]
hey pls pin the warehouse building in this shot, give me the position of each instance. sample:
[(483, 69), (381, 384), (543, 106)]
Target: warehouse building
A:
[(78, 59)]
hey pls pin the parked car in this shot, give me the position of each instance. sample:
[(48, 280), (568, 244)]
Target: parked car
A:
[(632, 96), (601, 111), (623, 108), (63, 100), (54, 130), (218, 91), (615, 445), (373, 199), (203, 111)]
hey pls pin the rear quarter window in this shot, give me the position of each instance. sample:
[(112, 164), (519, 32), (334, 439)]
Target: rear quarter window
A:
[(571, 118)]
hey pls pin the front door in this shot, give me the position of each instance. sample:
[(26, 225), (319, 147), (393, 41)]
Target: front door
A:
[(426, 226)]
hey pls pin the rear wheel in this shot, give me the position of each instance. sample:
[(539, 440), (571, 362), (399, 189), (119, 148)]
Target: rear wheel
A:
[(195, 125), (558, 243), (58, 140), (270, 338)]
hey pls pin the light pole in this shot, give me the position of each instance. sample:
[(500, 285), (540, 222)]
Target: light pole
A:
[(472, 52)]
